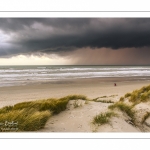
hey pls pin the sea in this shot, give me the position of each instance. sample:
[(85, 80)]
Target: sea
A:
[(22, 75)]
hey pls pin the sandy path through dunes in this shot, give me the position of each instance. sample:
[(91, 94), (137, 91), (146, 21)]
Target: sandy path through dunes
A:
[(80, 120)]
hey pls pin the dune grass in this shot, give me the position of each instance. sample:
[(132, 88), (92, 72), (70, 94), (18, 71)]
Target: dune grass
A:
[(27, 119), (137, 96), (105, 101), (123, 107), (127, 95), (103, 118), (145, 117), (141, 95), (113, 95), (32, 115), (102, 101), (103, 97), (121, 99)]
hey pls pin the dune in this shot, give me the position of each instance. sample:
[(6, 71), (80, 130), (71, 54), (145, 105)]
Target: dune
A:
[(80, 120)]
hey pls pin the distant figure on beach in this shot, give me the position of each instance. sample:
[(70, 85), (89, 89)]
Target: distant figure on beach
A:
[(115, 84)]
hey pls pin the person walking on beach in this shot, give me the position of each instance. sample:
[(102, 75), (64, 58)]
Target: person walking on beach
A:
[(115, 84)]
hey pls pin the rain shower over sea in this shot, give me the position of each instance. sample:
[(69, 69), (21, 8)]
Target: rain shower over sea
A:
[(22, 75)]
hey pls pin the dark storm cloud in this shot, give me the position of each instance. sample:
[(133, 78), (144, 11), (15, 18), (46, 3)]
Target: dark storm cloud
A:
[(54, 35), (16, 24)]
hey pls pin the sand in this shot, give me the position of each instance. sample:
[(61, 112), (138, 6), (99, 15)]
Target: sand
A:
[(92, 88), (77, 119), (80, 120)]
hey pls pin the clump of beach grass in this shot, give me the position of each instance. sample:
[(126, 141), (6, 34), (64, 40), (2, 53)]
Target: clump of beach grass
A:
[(121, 99), (53, 105), (95, 99), (102, 101), (27, 119), (6, 109), (74, 97), (103, 97), (127, 95), (137, 96), (33, 115), (125, 108), (103, 118), (141, 95), (113, 95), (145, 117), (105, 101)]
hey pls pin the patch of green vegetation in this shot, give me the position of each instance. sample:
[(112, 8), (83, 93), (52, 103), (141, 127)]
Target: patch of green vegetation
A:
[(6, 109), (103, 97), (141, 95), (121, 99), (102, 101), (145, 117), (95, 99), (105, 101), (135, 95), (32, 115), (53, 105), (27, 119), (74, 97), (145, 96), (144, 89), (124, 107), (127, 95), (113, 95), (103, 118)]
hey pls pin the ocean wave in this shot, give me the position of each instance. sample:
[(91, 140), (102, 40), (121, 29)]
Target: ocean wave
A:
[(19, 75)]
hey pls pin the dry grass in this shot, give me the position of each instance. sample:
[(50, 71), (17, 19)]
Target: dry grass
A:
[(145, 117), (121, 99), (32, 116), (27, 119), (141, 95), (137, 96), (127, 95), (102, 101), (103, 118), (125, 108), (105, 101)]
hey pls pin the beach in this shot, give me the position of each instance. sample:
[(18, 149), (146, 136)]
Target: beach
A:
[(92, 88), (80, 119)]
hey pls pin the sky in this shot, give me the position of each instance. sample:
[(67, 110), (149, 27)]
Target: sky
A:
[(74, 41)]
